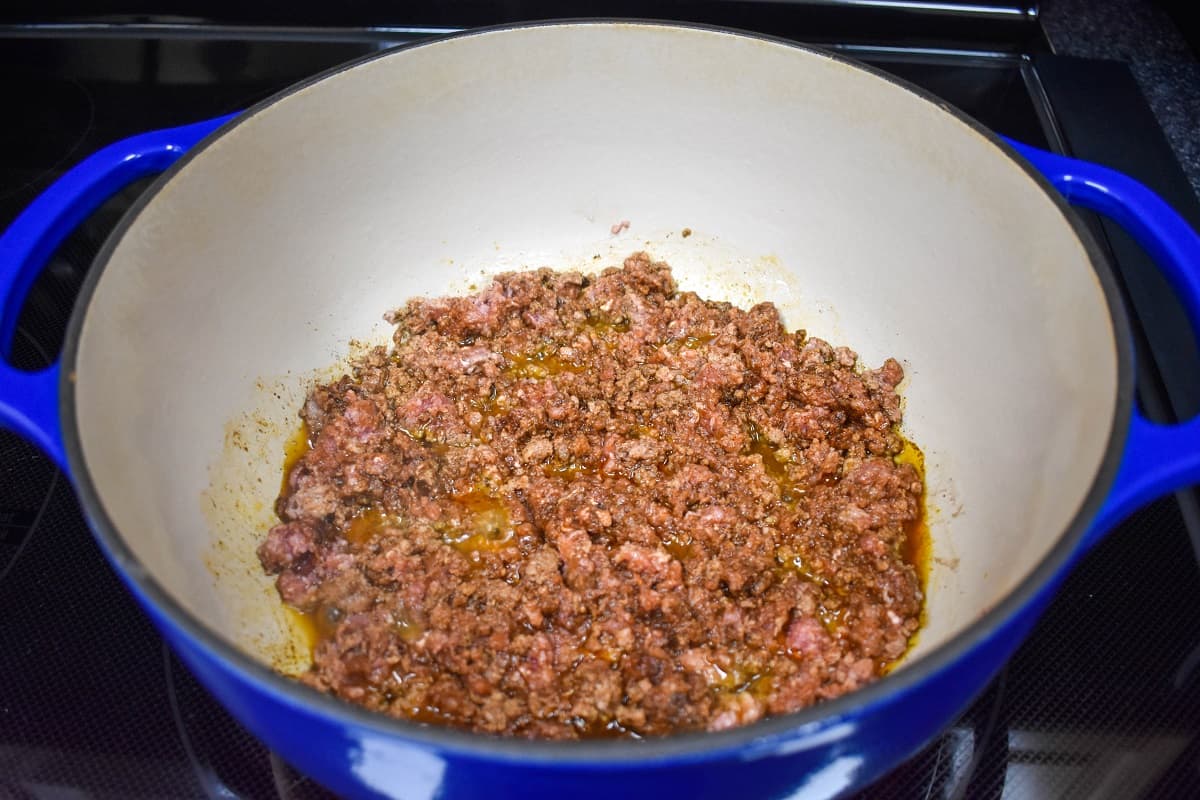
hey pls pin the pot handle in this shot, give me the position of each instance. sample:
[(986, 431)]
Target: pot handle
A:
[(1158, 458), (29, 400)]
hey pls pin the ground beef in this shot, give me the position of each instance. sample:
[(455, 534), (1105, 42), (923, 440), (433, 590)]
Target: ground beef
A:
[(585, 505)]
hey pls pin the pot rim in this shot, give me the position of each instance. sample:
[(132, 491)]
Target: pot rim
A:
[(819, 718)]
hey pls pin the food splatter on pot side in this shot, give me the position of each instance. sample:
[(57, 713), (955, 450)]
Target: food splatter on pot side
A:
[(575, 506)]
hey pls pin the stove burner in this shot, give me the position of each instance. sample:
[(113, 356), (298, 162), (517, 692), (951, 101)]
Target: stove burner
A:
[(18, 525), (22, 504), (969, 760), (62, 112), (291, 785), (227, 760)]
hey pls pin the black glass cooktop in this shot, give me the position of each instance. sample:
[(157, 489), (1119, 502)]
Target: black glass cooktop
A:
[(1102, 701)]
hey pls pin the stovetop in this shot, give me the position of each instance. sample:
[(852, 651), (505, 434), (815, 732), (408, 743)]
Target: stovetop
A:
[(1102, 701)]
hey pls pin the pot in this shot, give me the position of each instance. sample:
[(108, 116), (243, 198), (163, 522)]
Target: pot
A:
[(871, 214)]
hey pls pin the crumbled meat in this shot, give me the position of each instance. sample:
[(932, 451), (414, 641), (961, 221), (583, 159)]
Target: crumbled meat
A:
[(593, 505)]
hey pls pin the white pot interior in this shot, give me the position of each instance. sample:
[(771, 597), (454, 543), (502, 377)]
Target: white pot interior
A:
[(871, 217)]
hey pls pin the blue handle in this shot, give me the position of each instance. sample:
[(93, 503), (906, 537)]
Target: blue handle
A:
[(29, 400), (1158, 458)]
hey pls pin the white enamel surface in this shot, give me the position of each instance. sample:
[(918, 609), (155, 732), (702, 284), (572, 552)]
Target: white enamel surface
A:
[(872, 218)]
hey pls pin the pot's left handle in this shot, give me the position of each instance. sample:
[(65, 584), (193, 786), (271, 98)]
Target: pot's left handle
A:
[(29, 400)]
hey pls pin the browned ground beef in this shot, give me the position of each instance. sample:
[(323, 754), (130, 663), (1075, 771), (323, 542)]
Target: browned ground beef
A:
[(577, 505)]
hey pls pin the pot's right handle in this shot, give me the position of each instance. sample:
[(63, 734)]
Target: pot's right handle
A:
[(1158, 458), (29, 400)]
